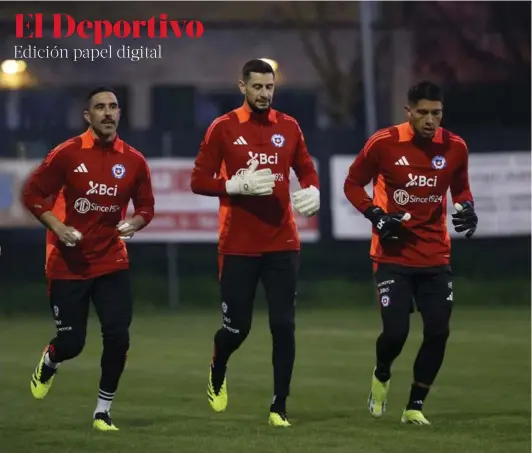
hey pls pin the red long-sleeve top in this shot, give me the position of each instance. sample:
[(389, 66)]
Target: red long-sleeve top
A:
[(88, 186), (251, 225), (409, 176)]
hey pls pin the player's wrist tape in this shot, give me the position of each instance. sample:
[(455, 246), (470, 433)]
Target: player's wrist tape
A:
[(78, 236)]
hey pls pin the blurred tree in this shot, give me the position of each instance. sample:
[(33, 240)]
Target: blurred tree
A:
[(477, 41), (341, 75), (511, 21)]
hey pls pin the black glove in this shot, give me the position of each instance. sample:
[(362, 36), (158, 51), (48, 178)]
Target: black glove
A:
[(465, 219), (386, 224)]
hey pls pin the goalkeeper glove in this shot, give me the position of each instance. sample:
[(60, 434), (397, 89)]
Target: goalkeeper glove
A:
[(387, 225), (307, 201), (249, 181), (465, 218)]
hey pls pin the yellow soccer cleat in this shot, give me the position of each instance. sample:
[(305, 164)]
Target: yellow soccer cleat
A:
[(413, 417), (102, 422), (278, 420), (377, 397), (42, 379), (218, 401)]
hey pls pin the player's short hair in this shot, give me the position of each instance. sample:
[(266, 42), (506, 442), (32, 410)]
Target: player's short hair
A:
[(256, 65), (97, 90), (425, 90)]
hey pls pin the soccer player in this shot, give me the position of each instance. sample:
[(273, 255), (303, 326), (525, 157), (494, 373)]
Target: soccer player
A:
[(251, 151), (412, 166), (81, 192)]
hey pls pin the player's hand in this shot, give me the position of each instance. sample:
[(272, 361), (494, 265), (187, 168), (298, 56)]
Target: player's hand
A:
[(127, 229), (68, 235), (307, 201), (387, 224), (250, 181), (465, 218)]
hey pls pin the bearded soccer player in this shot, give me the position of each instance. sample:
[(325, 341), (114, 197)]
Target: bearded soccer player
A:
[(412, 166), (81, 192), (251, 151)]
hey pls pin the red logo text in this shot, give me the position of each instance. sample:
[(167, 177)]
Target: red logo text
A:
[(30, 26)]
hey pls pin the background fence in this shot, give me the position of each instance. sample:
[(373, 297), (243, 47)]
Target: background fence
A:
[(168, 103)]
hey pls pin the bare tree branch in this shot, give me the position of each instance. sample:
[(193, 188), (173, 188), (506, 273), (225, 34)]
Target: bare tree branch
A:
[(470, 44), (513, 33), (306, 41), (325, 34), (342, 86)]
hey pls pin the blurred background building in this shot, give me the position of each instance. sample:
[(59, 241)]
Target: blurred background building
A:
[(343, 69)]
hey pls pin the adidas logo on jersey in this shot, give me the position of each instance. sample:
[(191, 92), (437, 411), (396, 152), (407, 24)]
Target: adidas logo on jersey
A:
[(240, 141), (402, 161), (81, 169)]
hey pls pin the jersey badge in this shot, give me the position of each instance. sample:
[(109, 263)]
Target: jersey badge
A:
[(278, 140), (119, 171), (438, 162)]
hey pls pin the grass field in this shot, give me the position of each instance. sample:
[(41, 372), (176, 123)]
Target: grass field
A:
[(481, 402)]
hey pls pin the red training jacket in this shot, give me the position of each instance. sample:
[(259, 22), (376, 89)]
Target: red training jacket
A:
[(89, 187), (414, 179), (251, 225)]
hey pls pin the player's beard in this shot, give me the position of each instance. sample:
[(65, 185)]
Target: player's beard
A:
[(421, 133), (426, 135), (258, 109), (105, 131)]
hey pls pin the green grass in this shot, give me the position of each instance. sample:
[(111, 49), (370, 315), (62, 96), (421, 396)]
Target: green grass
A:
[(151, 293), (480, 404)]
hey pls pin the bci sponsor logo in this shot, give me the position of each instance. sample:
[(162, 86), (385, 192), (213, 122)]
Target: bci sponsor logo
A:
[(30, 26), (263, 158), (102, 189), (421, 181)]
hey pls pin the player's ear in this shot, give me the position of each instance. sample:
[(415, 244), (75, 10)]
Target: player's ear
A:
[(407, 110), (242, 86), (86, 116)]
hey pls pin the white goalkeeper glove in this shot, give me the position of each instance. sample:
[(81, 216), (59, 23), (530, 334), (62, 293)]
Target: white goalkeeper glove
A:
[(307, 201), (125, 229), (250, 181)]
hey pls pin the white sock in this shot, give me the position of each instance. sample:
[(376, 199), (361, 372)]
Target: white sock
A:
[(49, 363), (105, 400)]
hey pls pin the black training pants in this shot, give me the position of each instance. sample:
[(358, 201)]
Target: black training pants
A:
[(112, 298), (400, 290), (239, 278)]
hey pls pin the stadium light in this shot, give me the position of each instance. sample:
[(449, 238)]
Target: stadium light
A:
[(12, 67), (271, 62)]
